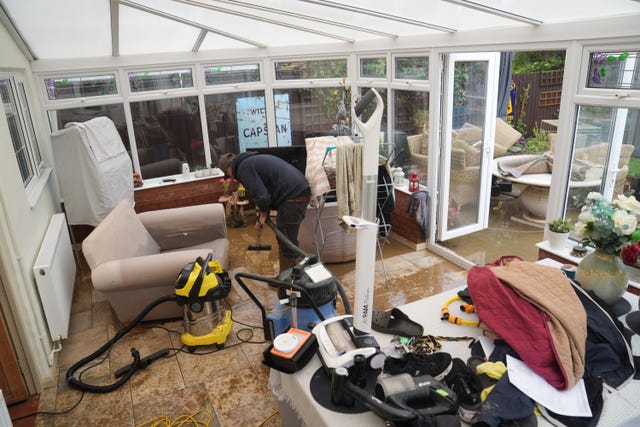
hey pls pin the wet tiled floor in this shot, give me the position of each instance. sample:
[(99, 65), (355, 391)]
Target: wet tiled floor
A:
[(229, 386)]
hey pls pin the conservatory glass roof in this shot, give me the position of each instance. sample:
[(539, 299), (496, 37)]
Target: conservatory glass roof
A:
[(99, 28)]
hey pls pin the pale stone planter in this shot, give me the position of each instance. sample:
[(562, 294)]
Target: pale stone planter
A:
[(558, 241)]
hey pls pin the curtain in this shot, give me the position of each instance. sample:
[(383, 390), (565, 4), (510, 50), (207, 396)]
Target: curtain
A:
[(504, 83)]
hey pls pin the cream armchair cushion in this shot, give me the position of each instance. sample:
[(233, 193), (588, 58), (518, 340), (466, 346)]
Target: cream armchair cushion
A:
[(133, 239)]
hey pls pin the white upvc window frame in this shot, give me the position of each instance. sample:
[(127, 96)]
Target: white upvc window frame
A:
[(368, 80), (605, 95), (82, 101), (39, 172), (412, 54), (201, 76), (276, 82), (161, 69)]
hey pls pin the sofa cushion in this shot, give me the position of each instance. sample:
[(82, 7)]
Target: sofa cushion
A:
[(468, 132), (506, 136), (120, 235)]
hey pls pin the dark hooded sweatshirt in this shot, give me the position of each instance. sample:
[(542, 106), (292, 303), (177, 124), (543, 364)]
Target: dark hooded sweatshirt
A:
[(270, 179)]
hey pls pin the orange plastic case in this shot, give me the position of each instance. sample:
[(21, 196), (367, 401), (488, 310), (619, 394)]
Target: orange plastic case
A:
[(290, 351)]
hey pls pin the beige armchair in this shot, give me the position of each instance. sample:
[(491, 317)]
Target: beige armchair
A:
[(136, 258), (596, 154), (419, 151)]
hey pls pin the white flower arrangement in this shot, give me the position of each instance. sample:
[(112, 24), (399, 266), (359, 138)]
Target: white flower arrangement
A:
[(608, 225)]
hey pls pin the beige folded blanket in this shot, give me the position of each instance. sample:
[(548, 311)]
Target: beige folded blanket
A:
[(526, 164)]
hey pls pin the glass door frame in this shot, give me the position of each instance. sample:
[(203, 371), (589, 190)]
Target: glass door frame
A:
[(488, 137)]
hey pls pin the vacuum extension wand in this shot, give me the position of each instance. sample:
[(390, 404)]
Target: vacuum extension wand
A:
[(258, 246)]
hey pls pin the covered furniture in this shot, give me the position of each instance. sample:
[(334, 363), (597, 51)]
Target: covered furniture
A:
[(93, 168), (136, 258)]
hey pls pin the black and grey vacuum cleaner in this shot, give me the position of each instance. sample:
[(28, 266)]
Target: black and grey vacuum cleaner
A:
[(316, 291)]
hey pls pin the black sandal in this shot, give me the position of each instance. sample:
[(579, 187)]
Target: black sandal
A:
[(395, 322)]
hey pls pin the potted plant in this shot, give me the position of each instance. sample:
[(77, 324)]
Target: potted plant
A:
[(559, 229)]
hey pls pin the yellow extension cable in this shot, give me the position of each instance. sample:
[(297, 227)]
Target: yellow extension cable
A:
[(181, 421)]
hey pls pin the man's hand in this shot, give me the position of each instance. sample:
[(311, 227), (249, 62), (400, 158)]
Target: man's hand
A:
[(262, 218)]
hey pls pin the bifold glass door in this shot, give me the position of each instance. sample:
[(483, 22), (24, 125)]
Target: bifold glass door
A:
[(468, 130)]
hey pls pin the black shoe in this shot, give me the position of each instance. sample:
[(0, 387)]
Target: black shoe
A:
[(464, 384), (437, 365), (484, 381)]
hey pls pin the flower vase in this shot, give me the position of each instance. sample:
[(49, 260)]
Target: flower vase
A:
[(605, 274)]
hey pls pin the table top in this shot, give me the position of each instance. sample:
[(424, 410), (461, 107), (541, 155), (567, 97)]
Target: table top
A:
[(295, 390), (177, 179)]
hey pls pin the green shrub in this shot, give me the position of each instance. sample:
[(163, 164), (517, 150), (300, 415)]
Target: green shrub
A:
[(560, 225)]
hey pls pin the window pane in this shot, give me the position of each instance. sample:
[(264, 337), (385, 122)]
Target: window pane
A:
[(304, 113), (469, 108), (373, 67), (79, 87), (168, 131), (601, 133), (614, 70), (144, 81), (324, 69), (16, 130), (59, 118), (235, 121), (35, 147), (229, 74), (412, 67), (411, 134)]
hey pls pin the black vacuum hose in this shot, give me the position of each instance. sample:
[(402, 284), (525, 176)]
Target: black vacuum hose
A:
[(284, 239), (77, 383)]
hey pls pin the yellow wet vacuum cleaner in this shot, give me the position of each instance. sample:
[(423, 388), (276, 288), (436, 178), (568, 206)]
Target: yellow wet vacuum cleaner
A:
[(199, 288)]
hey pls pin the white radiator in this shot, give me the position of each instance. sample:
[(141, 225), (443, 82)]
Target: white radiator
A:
[(55, 272)]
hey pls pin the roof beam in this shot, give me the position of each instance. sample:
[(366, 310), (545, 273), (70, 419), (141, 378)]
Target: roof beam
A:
[(309, 17), (263, 19), (188, 22), (115, 28), (356, 9), (199, 41), (495, 11)]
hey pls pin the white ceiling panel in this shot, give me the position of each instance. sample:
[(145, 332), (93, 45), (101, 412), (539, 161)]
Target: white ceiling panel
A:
[(63, 28), (142, 32)]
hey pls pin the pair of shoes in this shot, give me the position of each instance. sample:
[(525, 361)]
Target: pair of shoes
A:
[(437, 365), (464, 384)]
